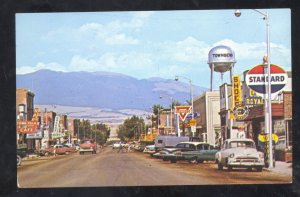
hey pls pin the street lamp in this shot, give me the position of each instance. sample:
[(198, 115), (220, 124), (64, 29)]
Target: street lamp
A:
[(191, 92), (268, 104), (171, 111)]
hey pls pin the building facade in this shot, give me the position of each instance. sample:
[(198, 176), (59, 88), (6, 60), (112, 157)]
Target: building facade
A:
[(208, 123)]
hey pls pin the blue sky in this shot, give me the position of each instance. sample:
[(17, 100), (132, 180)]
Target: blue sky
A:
[(149, 44)]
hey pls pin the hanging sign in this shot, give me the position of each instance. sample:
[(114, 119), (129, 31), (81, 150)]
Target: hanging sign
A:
[(236, 91), (265, 137)]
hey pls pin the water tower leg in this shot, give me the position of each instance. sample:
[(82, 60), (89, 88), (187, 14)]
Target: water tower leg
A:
[(211, 77), (231, 75)]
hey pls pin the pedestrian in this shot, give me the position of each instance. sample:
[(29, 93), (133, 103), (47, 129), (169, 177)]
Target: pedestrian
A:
[(54, 152), (120, 147), (129, 148)]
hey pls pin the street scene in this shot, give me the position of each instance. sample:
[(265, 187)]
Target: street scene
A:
[(113, 168), (154, 98)]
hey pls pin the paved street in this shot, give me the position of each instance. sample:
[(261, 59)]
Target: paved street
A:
[(110, 168)]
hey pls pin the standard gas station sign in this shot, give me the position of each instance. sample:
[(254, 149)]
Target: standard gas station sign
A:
[(257, 78)]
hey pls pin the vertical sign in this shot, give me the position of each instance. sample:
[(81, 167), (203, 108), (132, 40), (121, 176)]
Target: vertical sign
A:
[(56, 124), (236, 91)]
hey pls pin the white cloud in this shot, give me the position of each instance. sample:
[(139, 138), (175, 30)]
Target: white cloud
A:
[(126, 63), (39, 66), (113, 33), (191, 50), (120, 39)]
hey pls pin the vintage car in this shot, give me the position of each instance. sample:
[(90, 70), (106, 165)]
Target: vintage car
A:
[(150, 149), (204, 152), (70, 148), (53, 150), (88, 145), (239, 153), (21, 153), (172, 154)]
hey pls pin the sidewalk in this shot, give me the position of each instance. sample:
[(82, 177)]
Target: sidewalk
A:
[(282, 168)]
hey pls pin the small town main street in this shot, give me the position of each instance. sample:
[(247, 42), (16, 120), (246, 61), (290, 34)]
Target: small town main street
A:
[(110, 168)]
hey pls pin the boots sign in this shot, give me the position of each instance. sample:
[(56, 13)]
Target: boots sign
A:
[(257, 78)]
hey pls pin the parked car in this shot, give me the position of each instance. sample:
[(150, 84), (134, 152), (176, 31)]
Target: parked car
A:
[(118, 145), (173, 154), (162, 141), (70, 148), (204, 152), (149, 149), (239, 153), (21, 153), (54, 149)]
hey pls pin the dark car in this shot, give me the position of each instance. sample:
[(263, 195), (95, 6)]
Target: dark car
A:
[(205, 152), (170, 154), (21, 153)]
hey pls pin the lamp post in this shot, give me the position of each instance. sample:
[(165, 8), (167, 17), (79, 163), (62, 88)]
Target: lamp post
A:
[(191, 98), (171, 111), (191, 92), (268, 104)]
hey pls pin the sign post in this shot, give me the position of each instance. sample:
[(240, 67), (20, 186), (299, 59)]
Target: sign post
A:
[(267, 80), (182, 112)]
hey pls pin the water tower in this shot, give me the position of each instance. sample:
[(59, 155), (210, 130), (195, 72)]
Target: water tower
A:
[(220, 59)]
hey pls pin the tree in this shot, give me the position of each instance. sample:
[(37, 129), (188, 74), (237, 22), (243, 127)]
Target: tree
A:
[(131, 128), (86, 130), (156, 108)]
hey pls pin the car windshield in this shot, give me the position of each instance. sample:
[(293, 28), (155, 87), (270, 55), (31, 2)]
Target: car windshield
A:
[(236, 144)]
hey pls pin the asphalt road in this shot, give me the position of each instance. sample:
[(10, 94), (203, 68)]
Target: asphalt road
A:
[(110, 168)]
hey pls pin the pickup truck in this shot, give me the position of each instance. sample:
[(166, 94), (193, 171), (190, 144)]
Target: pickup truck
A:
[(54, 149), (88, 146)]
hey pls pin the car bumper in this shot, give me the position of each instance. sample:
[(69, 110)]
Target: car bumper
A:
[(246, 164), (86, 150), (173, 157)]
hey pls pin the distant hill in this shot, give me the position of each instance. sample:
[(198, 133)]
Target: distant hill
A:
[(103, 89)]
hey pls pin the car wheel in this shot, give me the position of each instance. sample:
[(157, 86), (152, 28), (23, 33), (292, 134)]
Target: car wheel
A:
[(67, 152), (259, 169), (229, 168), (19, 160), (193, 160), (220, 166), (47, 154), (173, 160)]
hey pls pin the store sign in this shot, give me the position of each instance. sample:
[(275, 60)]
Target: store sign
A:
[(27, 126), (257, 78), (265, 137), (223, 97), (57, 135), (56, 124), (36, 135), (240, 112), (236, 91)]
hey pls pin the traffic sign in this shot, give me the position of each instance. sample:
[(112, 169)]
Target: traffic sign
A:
[(193, 122), (182, 111), (257, 78)]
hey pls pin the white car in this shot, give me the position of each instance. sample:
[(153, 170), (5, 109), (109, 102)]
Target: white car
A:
[(239, 153), (149, 149)]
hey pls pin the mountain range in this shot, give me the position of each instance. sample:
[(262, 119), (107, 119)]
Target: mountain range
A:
[(104, 90)]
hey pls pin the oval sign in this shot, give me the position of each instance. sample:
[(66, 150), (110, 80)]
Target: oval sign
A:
[(257, 78)]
